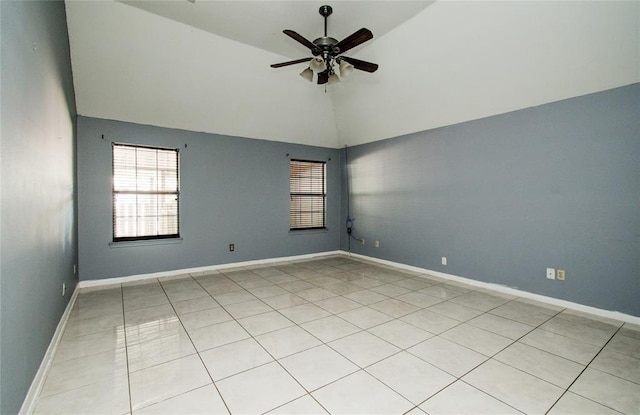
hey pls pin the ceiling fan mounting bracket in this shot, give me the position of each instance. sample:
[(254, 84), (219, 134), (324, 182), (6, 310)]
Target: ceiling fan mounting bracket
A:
[(325, 11)]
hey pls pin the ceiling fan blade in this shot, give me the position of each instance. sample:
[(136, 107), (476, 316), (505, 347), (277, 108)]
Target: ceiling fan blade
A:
[(300, 39), (354, 40), (280, 65), (361, 65), (323, 77)]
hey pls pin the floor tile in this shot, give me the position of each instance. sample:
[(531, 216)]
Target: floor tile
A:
[(430, 321), (217, 335), (234, 297), (365, 317), (480, 300), (317, 367), (233, 358), (109, 396), (304, 313), (440, 292), (296, 286), (268, 291), (301, 406), (70, 374), (477, 339), (448, 356), (608, 390), (204, 318), (330, 328), (195, 304), (524, 312), (284, 301), (72, 347), (550, 367), (366, 297), (149, 315), (264, 323), (315, 294), (361, 393), (163, 349), (287, 341), (394, 307), (573, 329), (81, 327), (201, 401), (145, 301), (337, 305), (259, 390), (624, 344), (617, 364), (463, 399), (247, 308), (400, 334), (390, 290), (363, 348), (410, 376), (514, 387), (572, 404), (418, 299), (167, 380), (500, 325), (562, 346), (455, 311)]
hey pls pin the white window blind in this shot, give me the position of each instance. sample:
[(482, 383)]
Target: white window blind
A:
[(308, 194), (146, 193)]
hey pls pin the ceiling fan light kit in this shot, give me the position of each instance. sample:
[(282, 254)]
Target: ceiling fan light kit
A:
[(328, 65)]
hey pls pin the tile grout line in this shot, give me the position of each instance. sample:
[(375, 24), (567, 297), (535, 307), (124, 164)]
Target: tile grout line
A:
[(583, 370), (126, 349), (194, 346)]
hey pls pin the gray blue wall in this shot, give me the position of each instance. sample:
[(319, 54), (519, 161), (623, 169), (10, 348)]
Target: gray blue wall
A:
[(38, 234), (506, 197), (233, 190)]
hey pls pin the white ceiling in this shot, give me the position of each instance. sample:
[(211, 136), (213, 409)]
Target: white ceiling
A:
[(260, 23), (204, 66)]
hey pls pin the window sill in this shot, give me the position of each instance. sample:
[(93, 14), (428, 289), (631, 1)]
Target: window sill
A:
[(307, 231), (147, 242)]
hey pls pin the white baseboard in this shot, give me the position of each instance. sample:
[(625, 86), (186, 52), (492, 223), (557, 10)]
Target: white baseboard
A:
[(614, 315), (28, 405)]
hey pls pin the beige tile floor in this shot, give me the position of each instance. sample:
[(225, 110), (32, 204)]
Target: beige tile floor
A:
[(335, 335)]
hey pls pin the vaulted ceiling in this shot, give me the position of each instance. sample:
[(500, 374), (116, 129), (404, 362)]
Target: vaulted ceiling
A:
[(204, 66)]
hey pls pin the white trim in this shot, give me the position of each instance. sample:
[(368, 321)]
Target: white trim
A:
[(139, 277), (28, 405), (615, 315)]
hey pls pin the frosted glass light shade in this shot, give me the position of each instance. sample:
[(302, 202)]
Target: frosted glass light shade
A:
[(318, 64), (307, 74), (345, 68)]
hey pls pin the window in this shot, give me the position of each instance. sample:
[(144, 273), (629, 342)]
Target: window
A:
[(308, 194), (146, 193)]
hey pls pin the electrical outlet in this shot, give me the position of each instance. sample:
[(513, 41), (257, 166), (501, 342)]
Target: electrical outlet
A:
[(560, 275), (362, 241), (444, 260), (551, 273), (64, 288), (232, 247), (376, 244)]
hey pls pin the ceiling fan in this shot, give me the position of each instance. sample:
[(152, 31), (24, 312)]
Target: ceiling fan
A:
[(327, 64)]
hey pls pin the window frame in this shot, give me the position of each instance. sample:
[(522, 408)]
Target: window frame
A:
[(312, 194), (141, 236)]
